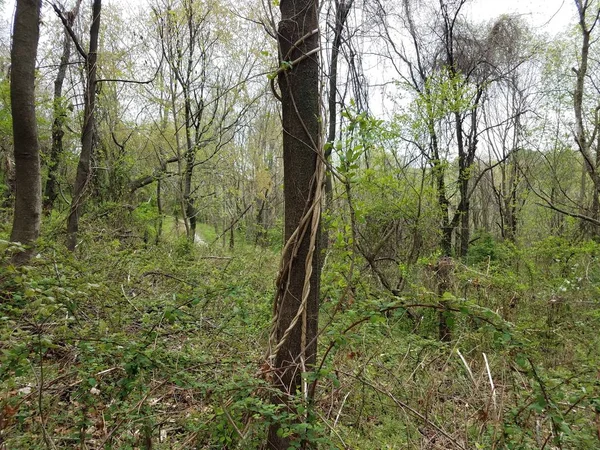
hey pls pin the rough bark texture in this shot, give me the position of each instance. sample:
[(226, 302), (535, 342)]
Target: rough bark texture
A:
[(301, 141), (84, 168), (28, 201)]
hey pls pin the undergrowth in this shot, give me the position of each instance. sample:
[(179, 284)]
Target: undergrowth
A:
[(132, 344)]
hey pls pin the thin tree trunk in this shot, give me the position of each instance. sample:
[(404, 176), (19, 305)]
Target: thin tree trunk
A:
[(190, 159), (159, 178), (84, 168), (341, 14), (28, 201), (9, 180), (581, 137), (511, 201), (444, 270), (178, 145), (466, 157), (443, 205), (465, 217), (293, 342), (159, 210), (51, 189), (261, 223), (463, 186)]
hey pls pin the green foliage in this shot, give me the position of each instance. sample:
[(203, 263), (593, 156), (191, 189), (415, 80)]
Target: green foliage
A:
[(484, 248), (5, 114), (131, 344), (139, 336), (130, 337)]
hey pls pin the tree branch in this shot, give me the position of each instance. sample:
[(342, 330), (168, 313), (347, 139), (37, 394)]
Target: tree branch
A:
[(69, 29)]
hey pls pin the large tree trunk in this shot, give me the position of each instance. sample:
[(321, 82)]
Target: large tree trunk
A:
[(28, 201), (293, 343), (84, 168)]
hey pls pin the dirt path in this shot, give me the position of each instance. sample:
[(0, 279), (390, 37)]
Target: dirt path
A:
[(180, 224)]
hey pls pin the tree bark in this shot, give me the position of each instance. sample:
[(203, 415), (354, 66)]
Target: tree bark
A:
[(28, 200), (583, 138), (190, 161), (341, 14), (293, 343), (444, 270), (51, 189), (157, 175), (84, 168), (159, 211)]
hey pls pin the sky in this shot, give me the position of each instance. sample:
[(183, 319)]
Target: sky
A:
[(548, 15), (545, 16)]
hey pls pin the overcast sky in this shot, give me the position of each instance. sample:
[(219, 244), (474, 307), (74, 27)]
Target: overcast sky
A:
[(545, 16), (548, 15)]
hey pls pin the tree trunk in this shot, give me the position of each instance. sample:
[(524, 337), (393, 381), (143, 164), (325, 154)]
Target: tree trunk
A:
[(465, 218), (51, 189), (462, 212), (190, 160), (261, 223), (293, 342), (466, 158), (28, 201), (511, 200), (583, 138), (444, 270), (159, 211), (443, 205), (84, 168), (341, 14)]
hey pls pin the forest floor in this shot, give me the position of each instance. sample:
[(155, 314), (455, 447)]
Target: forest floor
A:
[(124, 346)]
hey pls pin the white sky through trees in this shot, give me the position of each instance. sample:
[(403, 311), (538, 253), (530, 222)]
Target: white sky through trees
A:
[(550, 16), (546, 15)]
